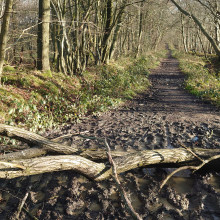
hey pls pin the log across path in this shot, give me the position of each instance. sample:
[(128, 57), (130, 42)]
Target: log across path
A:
[(163, 118)]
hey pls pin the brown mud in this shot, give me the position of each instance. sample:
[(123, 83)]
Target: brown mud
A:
[(159, 118)]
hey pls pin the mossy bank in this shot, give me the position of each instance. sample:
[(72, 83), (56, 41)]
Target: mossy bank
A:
[(40, 101)]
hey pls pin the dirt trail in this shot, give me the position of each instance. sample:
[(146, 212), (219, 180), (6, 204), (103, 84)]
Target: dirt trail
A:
[(156, 119)]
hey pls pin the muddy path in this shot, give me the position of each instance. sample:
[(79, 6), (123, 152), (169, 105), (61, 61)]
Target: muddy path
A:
[(159, 118)]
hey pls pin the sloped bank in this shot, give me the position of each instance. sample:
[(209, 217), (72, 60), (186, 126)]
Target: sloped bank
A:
[(40, 101)]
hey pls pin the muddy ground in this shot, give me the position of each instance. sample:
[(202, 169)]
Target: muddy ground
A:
[(159, 118)]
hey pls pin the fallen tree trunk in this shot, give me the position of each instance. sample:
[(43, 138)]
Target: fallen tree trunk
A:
[(55, 163), (100, 171), (124, 161), (47, 146), (35, 139), (23, 154)]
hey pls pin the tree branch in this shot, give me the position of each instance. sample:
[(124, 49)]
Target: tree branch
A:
[(123, 194)]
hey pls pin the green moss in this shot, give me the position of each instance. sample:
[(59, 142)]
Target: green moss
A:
[(6, 95), (47, 74), (36, 96), (51, 88), (8, 68)]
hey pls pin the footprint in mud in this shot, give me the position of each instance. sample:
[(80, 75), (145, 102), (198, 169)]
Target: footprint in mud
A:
[(150, 139)]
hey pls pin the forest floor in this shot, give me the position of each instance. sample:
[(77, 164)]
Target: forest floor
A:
[(159, 118)]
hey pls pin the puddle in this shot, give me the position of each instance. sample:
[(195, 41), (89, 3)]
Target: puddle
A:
[(169, 146), (136, 202), (95, 207), (181, 184), (215, 182)]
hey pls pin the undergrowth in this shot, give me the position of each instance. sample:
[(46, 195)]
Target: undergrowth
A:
[(201, 81), (39, 101)]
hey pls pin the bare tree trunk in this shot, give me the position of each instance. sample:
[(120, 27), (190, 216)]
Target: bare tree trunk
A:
[(107, 31), (43, 62), (217, 23), (183, 34), (140, 31), (117, 30), (77, 57), (4, 33), (54, 35)]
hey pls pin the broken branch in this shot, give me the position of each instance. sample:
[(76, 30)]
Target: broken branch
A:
[(123, 194)]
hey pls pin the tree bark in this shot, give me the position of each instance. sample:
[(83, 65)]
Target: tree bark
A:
[(183, 34), (117, 29), (140, 31), (107, 31), (34, 139), (4, 33), (43, 61), (54, 35), (101, 171), (77, 44), (217, 23)]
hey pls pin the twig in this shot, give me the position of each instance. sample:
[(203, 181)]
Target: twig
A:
[(195, 168), (174, 172), (188, 149), (91, 137), (61, 138), (124, 197), (30, 215), (21, 205), (23, 32)]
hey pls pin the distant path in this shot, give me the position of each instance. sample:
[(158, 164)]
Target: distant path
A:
[(169, 94), (158, 118)]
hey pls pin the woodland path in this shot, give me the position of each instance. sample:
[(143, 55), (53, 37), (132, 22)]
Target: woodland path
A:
[(158, 118)]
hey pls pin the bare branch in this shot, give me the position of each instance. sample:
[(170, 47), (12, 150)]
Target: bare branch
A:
[(21, 205), (23, 32), (195, 168), (209, 8), (188, 149), (123, 194)]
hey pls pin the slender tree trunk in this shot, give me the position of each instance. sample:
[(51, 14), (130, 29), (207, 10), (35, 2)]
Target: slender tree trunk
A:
[(183, 34), (54, 35), (140, 12), (43, 61), (117, 30), (83, 50), (217, 24), (4, 33), (77, 45), (97, 38), (107, 31)]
